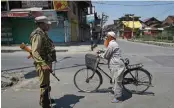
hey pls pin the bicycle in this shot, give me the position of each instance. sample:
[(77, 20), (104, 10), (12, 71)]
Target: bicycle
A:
[(93, 71)]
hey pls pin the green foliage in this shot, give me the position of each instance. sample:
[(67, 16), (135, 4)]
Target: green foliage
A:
[(166, 36)]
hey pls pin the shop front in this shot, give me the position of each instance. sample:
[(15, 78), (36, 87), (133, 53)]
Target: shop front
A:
[(56, 32), (16, 27), (130, 26)]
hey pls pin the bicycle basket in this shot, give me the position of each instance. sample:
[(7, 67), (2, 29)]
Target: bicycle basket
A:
[(91, 61)]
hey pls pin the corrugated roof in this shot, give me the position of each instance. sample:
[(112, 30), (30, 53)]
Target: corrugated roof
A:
[(131, 24), (172, 17), (150, 19), (146, 19)]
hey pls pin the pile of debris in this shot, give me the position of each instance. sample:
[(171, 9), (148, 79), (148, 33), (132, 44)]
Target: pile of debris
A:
[(10, 79)]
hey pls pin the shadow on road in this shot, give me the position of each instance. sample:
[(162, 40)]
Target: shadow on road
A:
[(147, 94), (126, 95), (31, 74), (33, 65), (68, 101), (75, 65), (17, 68)]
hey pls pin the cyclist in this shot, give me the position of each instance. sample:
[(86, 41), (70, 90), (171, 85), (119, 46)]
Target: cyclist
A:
[(116, 66)]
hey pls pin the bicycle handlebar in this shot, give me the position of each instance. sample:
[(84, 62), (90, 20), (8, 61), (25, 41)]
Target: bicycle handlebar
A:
[(100, 51)]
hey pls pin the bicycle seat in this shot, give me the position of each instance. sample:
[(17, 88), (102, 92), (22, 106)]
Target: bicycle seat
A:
[(125, 61)]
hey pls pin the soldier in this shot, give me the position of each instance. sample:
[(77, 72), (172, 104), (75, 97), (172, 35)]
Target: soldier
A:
[(43, 52)]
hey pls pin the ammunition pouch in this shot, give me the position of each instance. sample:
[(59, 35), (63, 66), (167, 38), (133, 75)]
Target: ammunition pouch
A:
[(52, 56)]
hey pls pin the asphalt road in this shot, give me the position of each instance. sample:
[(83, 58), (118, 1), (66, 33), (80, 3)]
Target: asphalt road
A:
[(157, 60)]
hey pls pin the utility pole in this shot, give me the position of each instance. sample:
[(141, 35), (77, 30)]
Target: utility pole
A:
[(101, 25), (102, 22), (133, 26), (91, 37), (101, 30), (91, 11)]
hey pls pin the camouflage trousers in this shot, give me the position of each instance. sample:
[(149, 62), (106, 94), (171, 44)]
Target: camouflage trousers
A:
[(45, 88)]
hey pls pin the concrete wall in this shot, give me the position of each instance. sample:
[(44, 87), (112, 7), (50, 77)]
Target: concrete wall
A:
[(73, 18)]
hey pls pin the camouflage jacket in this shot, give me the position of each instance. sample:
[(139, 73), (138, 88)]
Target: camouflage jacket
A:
[(42, 47)]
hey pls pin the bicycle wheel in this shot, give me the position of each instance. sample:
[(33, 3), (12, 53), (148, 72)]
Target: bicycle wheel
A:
[(87, 80), (136, 80)]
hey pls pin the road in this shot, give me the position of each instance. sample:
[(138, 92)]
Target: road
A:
[(157, 60)]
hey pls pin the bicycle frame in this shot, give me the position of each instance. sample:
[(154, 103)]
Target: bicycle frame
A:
[(100, 70), (110, 78), (127, 68), (132, 78)]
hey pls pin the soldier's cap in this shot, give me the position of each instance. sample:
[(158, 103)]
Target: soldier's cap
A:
[(43, 19)]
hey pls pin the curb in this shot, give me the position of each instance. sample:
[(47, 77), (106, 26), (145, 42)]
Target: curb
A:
[(12, 51), (154, 43)]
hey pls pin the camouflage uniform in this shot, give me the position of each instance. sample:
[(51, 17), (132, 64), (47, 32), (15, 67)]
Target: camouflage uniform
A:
[(43, 52)]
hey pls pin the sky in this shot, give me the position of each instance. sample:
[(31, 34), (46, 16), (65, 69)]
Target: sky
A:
[(116, 11)]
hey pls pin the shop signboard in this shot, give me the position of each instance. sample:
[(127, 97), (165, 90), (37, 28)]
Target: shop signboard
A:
[(60, 5), (90, 18), (28, 4), (14, 14)]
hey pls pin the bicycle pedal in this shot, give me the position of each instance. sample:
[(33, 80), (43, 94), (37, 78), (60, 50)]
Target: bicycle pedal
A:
[(110, 88), (111, 82)]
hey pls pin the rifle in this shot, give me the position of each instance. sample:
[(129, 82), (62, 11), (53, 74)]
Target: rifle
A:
[(27, 49)]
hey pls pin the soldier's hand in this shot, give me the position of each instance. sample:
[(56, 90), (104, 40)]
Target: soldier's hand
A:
[(46, 67)]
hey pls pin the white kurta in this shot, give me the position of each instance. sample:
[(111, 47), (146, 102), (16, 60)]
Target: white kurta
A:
[(116, 66)]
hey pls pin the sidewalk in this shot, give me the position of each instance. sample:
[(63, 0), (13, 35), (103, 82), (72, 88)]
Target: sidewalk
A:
[(164, 44), (70, 47)]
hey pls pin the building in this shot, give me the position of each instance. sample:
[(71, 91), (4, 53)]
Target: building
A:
[(18, 20), (168, 25), (152, 26), (169, 21), (84, 28), (127, 26)]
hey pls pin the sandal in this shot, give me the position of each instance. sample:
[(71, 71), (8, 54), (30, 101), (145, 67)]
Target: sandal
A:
[(115, 100)]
